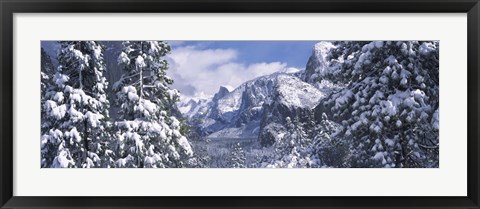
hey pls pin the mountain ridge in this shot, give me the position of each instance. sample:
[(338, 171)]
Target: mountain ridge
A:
[(241, 112)]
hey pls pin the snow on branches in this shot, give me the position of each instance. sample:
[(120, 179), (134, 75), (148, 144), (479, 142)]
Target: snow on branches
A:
[(75, 111), (148, 135), (390, 106)]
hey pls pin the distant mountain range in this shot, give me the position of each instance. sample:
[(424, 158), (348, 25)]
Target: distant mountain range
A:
[(251, 109)]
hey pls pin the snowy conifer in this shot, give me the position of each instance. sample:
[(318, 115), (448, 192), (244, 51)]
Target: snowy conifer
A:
[(238, 156), (389, 105), (48, 149), (148, 135), (76, 108), (46, 74), (327, 148), (293, 147)]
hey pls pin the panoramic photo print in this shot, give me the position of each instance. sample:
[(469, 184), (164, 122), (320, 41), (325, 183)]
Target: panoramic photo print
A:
[(239, 104)]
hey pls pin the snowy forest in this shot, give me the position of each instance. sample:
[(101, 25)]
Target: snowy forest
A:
[(355, 104)]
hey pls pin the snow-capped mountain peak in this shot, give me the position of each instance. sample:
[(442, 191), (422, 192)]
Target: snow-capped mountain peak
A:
[(294, 92), (318, 63), (238, 113)]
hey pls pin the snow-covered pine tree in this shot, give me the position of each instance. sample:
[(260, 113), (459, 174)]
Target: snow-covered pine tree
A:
[(390, 106), (238, 157), (46, 74), (292, 148), (76, 108), (148, 135), (327, 148), (48, 149)]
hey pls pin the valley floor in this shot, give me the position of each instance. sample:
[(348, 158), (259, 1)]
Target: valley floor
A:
[(225, 152)]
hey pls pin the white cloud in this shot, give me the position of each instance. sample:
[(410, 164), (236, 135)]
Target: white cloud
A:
[(198, 71)]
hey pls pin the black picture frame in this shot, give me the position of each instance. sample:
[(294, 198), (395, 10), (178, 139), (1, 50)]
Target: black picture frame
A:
[(9, 7)]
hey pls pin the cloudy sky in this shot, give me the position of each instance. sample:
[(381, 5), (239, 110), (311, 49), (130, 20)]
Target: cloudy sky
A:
[(200, 68)]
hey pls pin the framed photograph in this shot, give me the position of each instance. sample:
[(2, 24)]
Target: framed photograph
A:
[(235, 104)]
